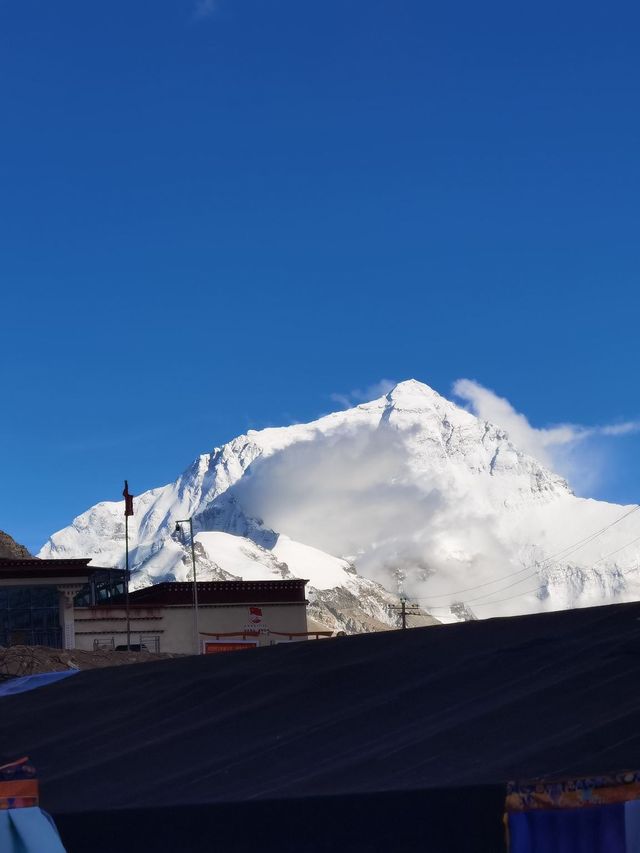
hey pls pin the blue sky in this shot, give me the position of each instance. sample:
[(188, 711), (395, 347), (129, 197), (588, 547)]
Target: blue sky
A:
[(215, 216)]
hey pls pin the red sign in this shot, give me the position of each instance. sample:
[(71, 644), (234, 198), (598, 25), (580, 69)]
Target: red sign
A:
[(255, 615), (216, 648)]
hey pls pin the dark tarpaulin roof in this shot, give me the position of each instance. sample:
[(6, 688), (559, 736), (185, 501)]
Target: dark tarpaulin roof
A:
[(365, 737)]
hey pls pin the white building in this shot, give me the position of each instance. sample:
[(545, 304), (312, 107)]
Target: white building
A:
[(70, 604)]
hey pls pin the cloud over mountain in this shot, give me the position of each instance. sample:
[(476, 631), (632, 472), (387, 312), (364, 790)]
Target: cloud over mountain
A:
[(406, 487), (557, 446)]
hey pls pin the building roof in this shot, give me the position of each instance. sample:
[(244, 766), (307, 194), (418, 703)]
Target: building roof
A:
[(416, 727), (12, 568), (44, 564), (221, 592)]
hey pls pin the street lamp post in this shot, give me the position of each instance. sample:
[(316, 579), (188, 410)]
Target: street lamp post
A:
[(196, 631)]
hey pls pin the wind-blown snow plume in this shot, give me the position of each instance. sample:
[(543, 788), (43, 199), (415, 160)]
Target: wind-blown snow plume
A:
[(359, 395), (556, 446), (353, 492)]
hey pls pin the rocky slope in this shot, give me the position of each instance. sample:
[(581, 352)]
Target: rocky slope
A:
[(10, 549)]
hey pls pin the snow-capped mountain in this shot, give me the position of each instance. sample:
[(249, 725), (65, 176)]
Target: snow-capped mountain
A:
[(409, 488)]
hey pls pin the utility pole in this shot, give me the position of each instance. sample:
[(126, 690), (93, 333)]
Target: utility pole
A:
[(404, 610), (196, 630)]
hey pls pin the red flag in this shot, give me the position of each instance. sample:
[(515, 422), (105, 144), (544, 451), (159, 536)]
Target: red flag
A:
[(255, 614), (128, 499)]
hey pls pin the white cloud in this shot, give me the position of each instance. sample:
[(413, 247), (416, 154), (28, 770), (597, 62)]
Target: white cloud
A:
[(354, 492), (555, 446), (620, 429), (364, 395), (204, 9)]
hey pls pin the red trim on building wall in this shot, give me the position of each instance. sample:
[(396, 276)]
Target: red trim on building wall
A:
[(219, 648)]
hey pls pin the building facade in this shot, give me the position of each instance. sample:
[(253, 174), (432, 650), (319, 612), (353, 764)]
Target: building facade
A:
[(38, 598), (231, 615), (69, 604)]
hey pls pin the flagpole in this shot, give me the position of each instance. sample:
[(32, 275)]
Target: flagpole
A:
[(126, 579), (128, 510)]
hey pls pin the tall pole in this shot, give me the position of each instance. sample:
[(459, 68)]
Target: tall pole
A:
[(404, 611), (128, 510), (196, 632), (126, 580)]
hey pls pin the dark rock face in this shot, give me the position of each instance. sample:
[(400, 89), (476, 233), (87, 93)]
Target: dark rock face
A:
[(9, 548)]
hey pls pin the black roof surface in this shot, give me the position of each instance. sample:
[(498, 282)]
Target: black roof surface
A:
[(350, 719)]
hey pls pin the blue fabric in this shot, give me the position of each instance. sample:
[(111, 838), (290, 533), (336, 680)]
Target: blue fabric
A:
[(30, 682), (632, 825), (28, 831), (597, 829)]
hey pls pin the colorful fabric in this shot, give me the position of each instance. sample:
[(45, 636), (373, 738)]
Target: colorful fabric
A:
[(28, 830), (632, 826), (600, 814), (604, 829), (128, 499), (594, 830), (18, 785), (573, 793)]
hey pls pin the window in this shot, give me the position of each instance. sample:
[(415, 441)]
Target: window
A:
[(30, 615), (104, 586)]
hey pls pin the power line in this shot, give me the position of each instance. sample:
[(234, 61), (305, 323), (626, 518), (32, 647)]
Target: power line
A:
[(543, 586), (611, 553), (585, 569), (511, 597), (564, 552)]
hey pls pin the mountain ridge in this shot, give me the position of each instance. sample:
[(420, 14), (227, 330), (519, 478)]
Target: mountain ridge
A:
[(408, 491)]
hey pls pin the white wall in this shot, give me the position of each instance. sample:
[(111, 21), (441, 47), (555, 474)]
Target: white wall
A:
[(174, 625)]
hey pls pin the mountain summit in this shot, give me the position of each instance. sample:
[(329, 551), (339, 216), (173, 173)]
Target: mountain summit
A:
[(408, 492)]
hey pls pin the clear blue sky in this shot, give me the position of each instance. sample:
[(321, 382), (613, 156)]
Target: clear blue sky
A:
[(215, 216)]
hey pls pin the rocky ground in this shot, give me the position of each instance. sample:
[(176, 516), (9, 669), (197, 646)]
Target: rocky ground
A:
[(30, 660)]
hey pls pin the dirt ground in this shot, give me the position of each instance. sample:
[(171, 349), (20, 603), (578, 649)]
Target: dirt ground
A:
[(29, 660)]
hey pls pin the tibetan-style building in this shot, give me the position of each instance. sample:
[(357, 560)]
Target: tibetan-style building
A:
[(70, 604)]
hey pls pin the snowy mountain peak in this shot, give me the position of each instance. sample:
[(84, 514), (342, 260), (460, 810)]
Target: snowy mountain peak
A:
[(408, 487), (414, 402), (411, 394)]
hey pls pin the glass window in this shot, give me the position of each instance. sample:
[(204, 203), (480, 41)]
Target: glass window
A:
[(83, 598), (104, 586), (30, 615)]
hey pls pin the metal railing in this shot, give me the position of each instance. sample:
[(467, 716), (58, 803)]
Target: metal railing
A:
[(51, 637)]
